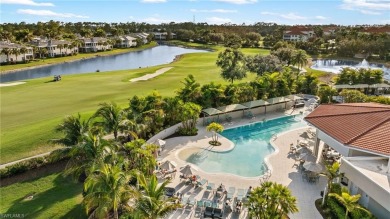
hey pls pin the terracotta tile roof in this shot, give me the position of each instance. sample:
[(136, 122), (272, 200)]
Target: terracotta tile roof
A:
[(294, 32), (361, 125), (382, 29)]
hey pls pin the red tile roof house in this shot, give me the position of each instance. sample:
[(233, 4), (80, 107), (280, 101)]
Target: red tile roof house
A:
[(360, 132), (298, 33)]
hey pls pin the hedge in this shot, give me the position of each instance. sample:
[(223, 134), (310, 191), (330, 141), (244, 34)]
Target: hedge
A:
[(336, 209), (32, 163)]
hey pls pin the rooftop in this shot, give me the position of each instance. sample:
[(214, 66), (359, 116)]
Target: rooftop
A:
[(372, 169), (359, 125)]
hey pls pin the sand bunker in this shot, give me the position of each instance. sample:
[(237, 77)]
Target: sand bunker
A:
[(149, 76), (11, 84)]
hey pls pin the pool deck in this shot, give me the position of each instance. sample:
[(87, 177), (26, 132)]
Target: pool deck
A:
[(283, 170)]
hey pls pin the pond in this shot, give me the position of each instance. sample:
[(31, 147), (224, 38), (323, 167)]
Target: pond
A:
[(131, 60), (335, 66)]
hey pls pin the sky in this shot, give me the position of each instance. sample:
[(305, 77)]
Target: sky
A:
[(290, 12)]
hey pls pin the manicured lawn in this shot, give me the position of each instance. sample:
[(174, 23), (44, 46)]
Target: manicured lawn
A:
[(29, 112), (53, 197), (48, 61)]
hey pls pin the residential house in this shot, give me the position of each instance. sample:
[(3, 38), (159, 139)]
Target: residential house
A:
[(360, 133), (329, 31), (94, 44), (125, 42), (8, 47), (377, 30), (298, 33), (142, 36), (54, 48), (164, 36)]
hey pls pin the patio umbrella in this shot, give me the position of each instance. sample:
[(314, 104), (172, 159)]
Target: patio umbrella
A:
[(313, 167), (186, 170), (167, 165), (160, 142), (304, 156), (305, 135)]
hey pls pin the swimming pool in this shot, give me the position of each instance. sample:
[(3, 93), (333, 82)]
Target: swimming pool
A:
[(251, 148)]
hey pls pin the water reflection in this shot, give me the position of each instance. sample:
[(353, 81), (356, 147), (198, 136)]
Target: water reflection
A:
[(335, 66), (132, 60)]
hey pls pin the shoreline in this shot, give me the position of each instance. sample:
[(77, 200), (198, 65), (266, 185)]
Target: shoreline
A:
[(80, 59)]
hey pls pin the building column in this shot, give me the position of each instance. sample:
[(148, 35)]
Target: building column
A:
[(316, 145), (388, 166)]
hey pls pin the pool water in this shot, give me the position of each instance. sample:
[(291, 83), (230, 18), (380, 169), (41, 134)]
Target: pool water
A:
[(251, 147)]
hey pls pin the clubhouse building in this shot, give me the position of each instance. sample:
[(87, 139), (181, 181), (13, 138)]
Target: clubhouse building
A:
[(360, 133)]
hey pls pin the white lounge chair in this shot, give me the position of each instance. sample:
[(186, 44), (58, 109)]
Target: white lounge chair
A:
[(240, 194), (231, 192)]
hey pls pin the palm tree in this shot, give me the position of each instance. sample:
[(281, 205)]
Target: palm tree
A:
[(108, 191), (112, 116), (332, 173), (191, 90), (74, 129), (140, 156), (152, 203), (350, 202), (215, 128), (16, 52), (271, 200), (300, 59), (7, 52), (90, 151), (60, 46), (23, 51)]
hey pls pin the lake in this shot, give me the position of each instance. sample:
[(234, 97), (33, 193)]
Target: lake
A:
[(150, 57)]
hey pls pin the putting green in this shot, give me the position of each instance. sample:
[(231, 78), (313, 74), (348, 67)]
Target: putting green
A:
[(30, 111)]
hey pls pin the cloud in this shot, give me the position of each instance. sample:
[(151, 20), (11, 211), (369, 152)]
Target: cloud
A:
[(26, 2), (319, 17), (218, 20), (49, 13), (238, 2), (366, 6), (289, 16), (214, 11), (153, 1), (370, 12), (292, 16)]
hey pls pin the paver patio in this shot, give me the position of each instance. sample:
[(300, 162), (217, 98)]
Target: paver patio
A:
[(282, 165)]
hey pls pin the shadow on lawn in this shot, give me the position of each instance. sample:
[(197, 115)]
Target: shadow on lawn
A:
[(64, 188)]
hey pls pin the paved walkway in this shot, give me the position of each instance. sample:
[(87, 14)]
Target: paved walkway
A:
[(284, 171), (27, 158)]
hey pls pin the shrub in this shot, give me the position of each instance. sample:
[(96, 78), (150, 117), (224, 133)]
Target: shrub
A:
[(30, 164), (336, 188), (187, 132), (359, 214), (337, 210)]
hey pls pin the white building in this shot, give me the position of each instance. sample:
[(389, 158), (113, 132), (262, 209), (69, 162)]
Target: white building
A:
[(125, 42), (360, 132), (142, 36), (55, 48), (298, 33), (94, 44), (7, 54), (164, 36)]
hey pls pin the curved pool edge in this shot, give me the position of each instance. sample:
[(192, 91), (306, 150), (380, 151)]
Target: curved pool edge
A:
[(277, 150), (266, 159), (199, 169)]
